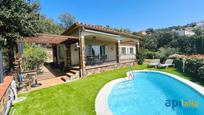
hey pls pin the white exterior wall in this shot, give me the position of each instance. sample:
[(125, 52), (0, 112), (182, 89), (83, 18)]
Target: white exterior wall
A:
[(127, 55), (185, 33), (111, 52), (180, 32), (202, 27), (50, 54), (74, 55), (189, 33)]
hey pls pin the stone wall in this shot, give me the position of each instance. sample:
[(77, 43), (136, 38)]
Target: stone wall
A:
[(7, 94), (108, 67), (3, 103)]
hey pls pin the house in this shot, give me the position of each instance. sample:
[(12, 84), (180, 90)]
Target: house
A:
[(142, 33), (185, 32), (91, 49), (200, 25)]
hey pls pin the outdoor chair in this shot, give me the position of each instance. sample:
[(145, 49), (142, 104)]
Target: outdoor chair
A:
[(154, 63), (168, 62)]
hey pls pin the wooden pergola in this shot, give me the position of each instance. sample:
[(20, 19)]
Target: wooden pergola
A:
[(51, 39), (55, 40)]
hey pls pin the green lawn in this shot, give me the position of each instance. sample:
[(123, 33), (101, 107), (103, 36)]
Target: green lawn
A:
[(75, 98)]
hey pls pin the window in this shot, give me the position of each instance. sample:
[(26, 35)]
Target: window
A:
[(124, 51), (131, 51), (96, 50), (61, 51), (88, 50)]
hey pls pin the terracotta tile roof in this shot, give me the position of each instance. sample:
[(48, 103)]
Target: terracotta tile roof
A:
[(99, 28), (4, 86), (49, 38)]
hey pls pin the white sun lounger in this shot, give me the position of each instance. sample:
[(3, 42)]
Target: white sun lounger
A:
[(168, 62), (154, 63)]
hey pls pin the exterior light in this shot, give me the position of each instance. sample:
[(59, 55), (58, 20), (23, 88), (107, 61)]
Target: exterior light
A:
[(77, 45)]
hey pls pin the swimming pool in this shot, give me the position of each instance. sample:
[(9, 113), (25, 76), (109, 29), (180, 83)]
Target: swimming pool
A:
[(154, 93)]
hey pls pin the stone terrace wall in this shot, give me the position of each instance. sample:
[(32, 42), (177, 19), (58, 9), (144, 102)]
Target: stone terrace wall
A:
[(108, 67)]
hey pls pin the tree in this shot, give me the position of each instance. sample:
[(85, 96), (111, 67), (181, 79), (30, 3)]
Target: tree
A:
[(124, 30), (49, 26), (33, 57), (165, 39), (18, 18), (67, 20)]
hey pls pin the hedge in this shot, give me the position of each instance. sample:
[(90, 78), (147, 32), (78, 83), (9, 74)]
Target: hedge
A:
[(193, 66)]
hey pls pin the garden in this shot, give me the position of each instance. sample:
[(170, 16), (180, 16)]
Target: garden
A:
[(186, 51), (76, 97), (21, 19)]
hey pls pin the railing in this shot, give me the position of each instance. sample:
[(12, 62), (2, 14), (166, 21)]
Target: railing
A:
[(131, 72), (95, 60)]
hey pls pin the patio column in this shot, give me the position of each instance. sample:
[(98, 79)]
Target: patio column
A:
[(118, 51), (136, 49), (138, 46), (54, 49), (82, 54), (67, 61)]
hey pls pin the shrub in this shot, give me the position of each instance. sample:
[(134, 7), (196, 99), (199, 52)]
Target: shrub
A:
[(33, 57), (150, 54), (179, 63), (164, 53), (193, 66), (201, 71), (140, 57)]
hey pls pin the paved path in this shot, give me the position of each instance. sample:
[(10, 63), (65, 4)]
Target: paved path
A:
[(48, 83)]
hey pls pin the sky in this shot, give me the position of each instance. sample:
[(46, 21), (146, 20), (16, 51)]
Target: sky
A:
[(136, 15)]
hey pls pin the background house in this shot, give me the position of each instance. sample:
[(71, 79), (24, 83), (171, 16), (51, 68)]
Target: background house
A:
[(185, 32)]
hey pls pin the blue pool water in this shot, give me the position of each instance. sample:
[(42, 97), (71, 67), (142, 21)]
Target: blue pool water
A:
[(150, 93)]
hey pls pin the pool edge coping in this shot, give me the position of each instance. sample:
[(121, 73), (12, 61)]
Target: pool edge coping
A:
[(193, 85), (101, 101)]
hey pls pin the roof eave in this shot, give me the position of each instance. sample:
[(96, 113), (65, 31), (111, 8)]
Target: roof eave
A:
[(78, 25)]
